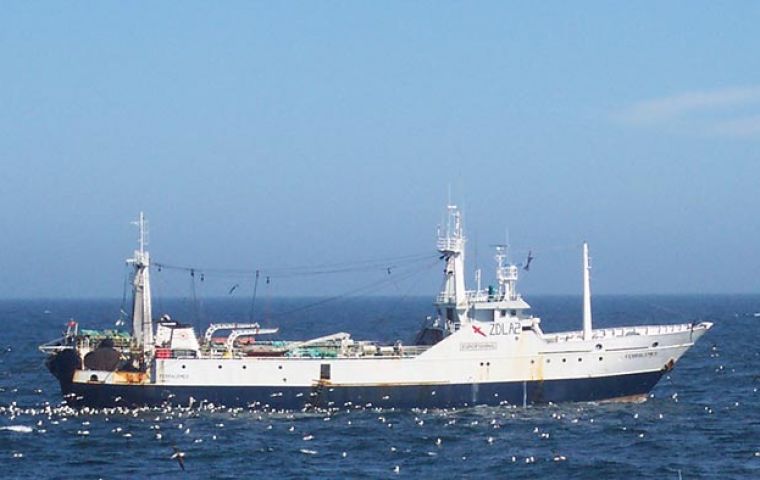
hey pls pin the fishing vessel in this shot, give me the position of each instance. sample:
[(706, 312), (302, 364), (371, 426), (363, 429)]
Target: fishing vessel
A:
[(482, 347)]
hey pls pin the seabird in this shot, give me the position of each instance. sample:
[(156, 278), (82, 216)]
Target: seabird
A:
[(528, 260), (233, 288), (179, 457)]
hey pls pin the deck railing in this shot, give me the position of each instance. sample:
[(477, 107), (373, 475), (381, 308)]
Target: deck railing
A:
[(613, 332)]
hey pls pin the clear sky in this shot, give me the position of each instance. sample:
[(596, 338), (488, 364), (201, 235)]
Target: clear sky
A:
[(299, 133)]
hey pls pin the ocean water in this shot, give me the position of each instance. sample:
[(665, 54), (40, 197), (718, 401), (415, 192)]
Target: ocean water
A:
[(701, 421)]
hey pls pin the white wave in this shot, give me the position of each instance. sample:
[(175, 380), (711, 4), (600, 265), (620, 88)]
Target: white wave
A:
[(18, 428)]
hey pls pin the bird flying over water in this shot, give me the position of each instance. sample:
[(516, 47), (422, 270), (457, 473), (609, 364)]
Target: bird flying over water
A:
[(233, 288), (179, 457)]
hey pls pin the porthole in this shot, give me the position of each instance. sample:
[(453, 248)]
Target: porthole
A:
[(564, 360), (245, 366), (220, 367), (184, 366), (279, 366), (580, 359), (598, 346), (532, 362), (548, 360), (600, 359), (655, 344)]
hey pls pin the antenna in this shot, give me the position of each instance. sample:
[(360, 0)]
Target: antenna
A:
[(142, 226), (475, 253), (506, 244)]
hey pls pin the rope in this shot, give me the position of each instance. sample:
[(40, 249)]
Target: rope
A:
[(253, 300), (196, 317), (352, 292), (404, 296), (323, 269), (123, 308)]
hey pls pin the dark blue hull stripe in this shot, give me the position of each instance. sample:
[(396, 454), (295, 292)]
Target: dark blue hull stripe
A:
[(386, 396)]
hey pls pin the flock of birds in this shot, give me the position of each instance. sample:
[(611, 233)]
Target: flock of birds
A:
[(172, 427), (177, 434)]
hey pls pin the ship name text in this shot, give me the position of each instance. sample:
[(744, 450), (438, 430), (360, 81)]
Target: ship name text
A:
[(512, 328)]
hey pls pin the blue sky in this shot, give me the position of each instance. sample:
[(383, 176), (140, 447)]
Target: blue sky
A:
[(298, 133)]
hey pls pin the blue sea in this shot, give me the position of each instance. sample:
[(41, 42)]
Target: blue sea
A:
[(701, 421)]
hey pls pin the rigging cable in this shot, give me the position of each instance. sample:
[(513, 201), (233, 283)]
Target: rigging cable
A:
[(351, 292), (123, 308), (196, 319), (323, 269), (389, 266), (253, 299), (159, 290), (404, 296)]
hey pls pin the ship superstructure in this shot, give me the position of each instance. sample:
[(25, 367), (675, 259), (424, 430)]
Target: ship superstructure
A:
[(482, 347)]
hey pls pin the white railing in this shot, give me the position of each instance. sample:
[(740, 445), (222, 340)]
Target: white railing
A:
[(445, 298), (644, 330), (475, 296), (449, 244)]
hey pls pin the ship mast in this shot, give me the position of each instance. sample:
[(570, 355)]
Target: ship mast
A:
[(142, 323), (506, 274), (451, 247), (586, 294)]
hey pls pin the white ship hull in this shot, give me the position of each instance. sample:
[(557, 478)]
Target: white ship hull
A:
[(467, 368)]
